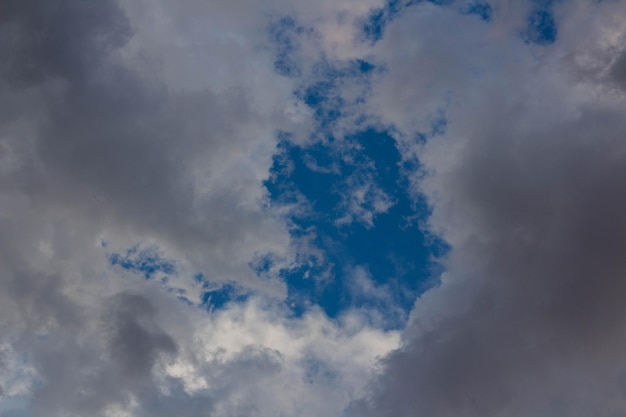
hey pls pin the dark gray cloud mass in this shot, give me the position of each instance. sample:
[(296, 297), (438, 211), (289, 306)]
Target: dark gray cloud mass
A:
[(544, 331), (528, 184), (43, 40)]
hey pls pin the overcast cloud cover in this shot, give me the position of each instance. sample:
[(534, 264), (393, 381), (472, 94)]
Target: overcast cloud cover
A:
[(162, 254)]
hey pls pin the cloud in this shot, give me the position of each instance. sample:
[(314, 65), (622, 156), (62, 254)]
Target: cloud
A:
[(362, 200), (152, 355), (137, 124), (378, 302), (154, 125), (526, 185), (139, 157)]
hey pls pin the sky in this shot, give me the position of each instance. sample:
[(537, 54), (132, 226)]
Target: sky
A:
[(332, 208)]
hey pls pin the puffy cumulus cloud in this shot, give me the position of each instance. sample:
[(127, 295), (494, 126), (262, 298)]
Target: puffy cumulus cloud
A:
[(526, 184), (260, 361), (150, 355)]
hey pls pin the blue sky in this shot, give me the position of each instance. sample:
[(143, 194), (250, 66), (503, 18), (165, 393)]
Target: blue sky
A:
[(389, 244), (391, 247)]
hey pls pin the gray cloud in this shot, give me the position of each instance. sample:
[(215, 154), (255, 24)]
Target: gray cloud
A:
[(43, 40), (87, 131), (79, 372), (618, 69), (139, 122), (542, 333), (135, 340), (527, 185), (93, 148)]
